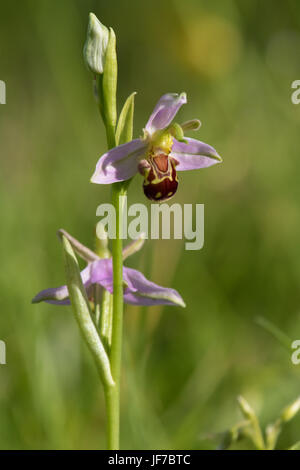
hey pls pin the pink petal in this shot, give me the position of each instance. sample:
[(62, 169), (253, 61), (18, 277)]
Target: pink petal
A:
[(119, 163), (138, 290), (102, 273), (165, 111), (194, 155), (141, 291), (60, 295)]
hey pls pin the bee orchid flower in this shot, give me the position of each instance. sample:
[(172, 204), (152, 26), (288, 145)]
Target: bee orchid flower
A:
[(137, 289), (159, 153)]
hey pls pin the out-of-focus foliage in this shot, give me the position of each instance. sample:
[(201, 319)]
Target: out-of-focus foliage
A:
[(182, 368), (250, 428)]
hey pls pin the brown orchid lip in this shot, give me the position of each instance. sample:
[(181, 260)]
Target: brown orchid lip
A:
[(160, 176)]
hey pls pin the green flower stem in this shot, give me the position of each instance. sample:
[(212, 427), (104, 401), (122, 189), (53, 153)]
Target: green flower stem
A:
[(111, 318), (111, 323), (113, 393)]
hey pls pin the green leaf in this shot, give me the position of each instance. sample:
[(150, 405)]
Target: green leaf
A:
[(81, 309), (124, 130)]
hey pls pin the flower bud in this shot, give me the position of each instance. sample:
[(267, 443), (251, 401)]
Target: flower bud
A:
[(94, 50)]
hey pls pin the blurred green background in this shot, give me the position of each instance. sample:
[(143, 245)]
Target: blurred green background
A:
[(182, 368)]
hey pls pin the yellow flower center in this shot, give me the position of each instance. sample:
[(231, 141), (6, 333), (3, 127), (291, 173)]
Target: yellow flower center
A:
[(162, 140)]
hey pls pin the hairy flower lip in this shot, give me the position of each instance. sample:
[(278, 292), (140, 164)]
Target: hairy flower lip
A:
[(121, 163)]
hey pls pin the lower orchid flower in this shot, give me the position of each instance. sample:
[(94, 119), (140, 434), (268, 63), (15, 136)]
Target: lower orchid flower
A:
[(159, 153), (137, 289)]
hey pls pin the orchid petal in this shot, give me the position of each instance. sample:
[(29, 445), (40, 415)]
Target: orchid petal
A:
[(59, 302), (56, 294), (165, 111), (194, 154), (134, 246), (119, 163), (60, 295), (138, 290), (141, 291), (102, 273)]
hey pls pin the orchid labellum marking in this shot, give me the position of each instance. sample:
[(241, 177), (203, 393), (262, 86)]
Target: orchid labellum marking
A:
[(160, 177), (161, 180)]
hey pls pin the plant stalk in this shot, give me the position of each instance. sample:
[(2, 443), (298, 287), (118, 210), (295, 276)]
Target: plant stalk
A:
[(113, 395)]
